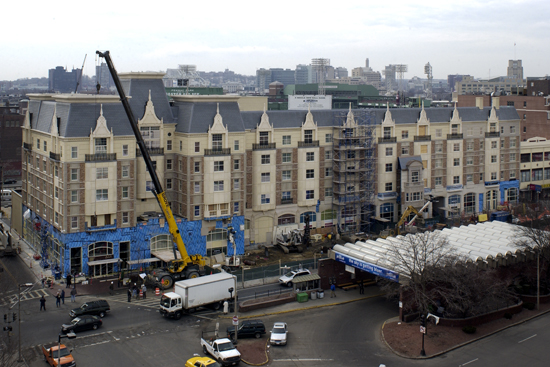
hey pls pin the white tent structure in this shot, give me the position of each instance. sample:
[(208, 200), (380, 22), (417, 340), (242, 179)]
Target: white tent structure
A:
[(487, 244)]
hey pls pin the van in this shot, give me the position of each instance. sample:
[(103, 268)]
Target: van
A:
[(6, 195)]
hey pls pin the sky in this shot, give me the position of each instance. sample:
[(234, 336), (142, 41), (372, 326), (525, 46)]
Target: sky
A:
[(475, 37)]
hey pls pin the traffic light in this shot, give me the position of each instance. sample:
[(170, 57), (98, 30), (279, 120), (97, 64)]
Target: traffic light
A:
[(423, 320), (14, 316)]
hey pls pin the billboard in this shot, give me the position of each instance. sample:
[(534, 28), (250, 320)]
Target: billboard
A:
[(315, 102)]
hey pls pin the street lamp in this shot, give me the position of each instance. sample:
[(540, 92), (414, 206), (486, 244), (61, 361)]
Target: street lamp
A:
[(26, 285), (235, 306), (70, 335)]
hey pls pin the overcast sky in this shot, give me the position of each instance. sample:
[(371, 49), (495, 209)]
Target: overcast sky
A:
[(455, 37)]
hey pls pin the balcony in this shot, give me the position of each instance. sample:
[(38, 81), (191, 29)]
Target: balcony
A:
[(55, 156), (217, 152), (387, 140), (100, 157), (286, 201), (152, 151), (308, 144), (27, 146), (264, 146), (455, 136), (492, 134), (422, 138)]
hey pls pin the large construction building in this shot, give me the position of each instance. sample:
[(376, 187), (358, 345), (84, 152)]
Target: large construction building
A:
[(87, 194)]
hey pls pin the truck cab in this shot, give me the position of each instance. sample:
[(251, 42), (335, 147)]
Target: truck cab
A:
[(54, 353), (171, 305), (222, 350)]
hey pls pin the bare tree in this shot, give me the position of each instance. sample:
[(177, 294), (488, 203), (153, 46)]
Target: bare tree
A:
[(535, 237)]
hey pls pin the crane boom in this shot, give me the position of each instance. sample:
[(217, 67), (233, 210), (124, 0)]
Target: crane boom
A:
[(159, 192)]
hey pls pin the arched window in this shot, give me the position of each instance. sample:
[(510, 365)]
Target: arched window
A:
[(491, 202), (312, 218), (161, 242), (216, 242), (286, 219), (512, 196), (470, 203), (454, 199), (100, 250), (386, 211)]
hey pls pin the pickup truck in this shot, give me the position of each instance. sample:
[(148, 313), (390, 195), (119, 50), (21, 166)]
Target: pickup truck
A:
[(51, 355), (222, 350)]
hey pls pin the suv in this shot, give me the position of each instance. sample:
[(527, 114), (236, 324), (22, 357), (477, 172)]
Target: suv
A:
[(247, 328), (99, 308)]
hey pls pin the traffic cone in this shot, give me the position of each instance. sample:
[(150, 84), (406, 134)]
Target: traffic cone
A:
[(157, 292), (141, 294)]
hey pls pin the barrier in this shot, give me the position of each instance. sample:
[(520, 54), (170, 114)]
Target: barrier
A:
[(141, 294), (157, 292)]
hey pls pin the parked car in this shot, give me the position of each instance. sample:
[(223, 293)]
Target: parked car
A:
[(10, 181), (247, 328), (99, 308), (198, 361), (278, 334), (82, 323), (288, 277)]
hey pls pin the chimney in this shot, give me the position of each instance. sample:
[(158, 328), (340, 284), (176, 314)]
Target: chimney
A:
[(496, 102), (479, 102)]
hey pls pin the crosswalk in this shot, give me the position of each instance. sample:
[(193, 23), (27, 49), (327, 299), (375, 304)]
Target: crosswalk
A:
[(151, 301), (25, 296)]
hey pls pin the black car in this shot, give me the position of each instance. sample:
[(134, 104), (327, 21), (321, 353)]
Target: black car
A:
[(10, 181), (82, 323), (99, 308), (248, 328)]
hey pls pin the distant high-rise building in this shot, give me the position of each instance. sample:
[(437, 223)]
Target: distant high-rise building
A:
[(340, 73), (515, 69), (301, 74), (389, 73), (63, 81), (285, 76), (453, 79), (103, 76), (263, 79)]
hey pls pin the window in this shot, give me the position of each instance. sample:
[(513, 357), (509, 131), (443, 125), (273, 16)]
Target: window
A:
[(236, 147), (45, 145), (493, 145), (74, 152), (101, 173), (197, 147), (328, 138), (328, 154), (456, 147), (286, 195), (286, 175), (218, 186), (456, 162), (310, 173), (74, 196), (56, 171), (266, 159), (74, 174), (389, 167), (310, 156), (44, 166), (512, 143), (481, 177), (416, 196), (125, 218), (310, 194), (100, 145), (405, 134), (125, 192), (236, 164), (493, 159), (168, 183), (470, 131), (218, 166), (438, 181), (266, 177), (454, 129), (438, 133), (386, 211), (423, 149), (125, 171), (328, 171), (168, 164), (264, 137), (387, 132), (287, 157), (481, 145), (536, 174), (493, 127), (181, 145), (264, 199), (438, 147), (197, 167), (469, 146), (197, 187), (74, 222), (236, 184), (512, 174), (524, 103), (456, 179), (493, 176), (197, 210), (236, 207), (102, 194), (328, 191), (502, 129), (512, 129), (469, 161), (351, 154), (415, 176), (350, 189), (389, 151), (389, 186), (38, 143), (469, 178), (287, 140), (404, 150), (168, 144), (217, 142)]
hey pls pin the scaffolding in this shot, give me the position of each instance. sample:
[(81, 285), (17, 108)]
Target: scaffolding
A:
[(354, 171)]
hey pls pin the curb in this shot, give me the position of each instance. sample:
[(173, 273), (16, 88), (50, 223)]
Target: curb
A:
[(458, 345), (259, 364)]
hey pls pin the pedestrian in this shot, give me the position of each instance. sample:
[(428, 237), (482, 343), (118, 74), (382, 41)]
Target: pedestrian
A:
[(42, 303), (361, 288), (58, 298), (135, 291), (129, 295), (332, 290), (63, 296), (69, 278), (43, 281), (111, 288), (144, 290), (73, 295), (119, 282)]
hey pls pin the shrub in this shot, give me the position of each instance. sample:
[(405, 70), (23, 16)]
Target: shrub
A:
[(469, 329), (508, 315), (529, 305)]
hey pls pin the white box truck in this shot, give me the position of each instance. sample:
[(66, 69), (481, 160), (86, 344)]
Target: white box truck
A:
[(190, 294)]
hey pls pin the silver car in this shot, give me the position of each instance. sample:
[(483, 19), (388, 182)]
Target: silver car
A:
[(278, 334)]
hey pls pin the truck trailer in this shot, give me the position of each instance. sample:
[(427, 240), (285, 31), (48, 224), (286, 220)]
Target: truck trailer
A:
[(188, 295)]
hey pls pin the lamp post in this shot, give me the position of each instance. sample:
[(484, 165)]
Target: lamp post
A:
[(26, 285), (235, 306), (70, 335)]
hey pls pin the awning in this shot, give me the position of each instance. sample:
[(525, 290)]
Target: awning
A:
[(165, 255), (305, 278), (101, 262), (143, 261)]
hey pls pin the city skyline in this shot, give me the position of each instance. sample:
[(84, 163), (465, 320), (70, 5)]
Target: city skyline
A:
[(476, 39)]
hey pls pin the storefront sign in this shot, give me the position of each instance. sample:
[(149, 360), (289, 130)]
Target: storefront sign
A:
[(365, 266)]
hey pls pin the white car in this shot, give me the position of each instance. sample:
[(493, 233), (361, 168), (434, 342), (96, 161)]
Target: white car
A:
[(278, 334), (288, 277)]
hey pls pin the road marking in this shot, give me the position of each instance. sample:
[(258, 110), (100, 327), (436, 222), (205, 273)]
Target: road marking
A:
[(532, 336), (302, 360), (91, 345), (464, 364)]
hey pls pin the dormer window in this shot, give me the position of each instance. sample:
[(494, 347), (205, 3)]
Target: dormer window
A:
[(264, 137), (151, 136), (493, 127), (415, 176), (217, 143), (454, 129), (387, 132), (308, 136), (100, 145)]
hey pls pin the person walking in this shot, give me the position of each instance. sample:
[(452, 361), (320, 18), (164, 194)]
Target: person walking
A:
[(73, 295), (361, 288), (332, 290), (63, 296), (135, 291), (42, 303), (69, 278), (43, 281), (57, 298), (144, 290), (129, 295), (111, 288)]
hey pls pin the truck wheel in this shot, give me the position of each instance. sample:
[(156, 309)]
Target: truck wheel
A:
[(166, 282), (177, 316), (289, 284), (193, 275), (204, 350), (216, 306), (258, 335), (191, 310)]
